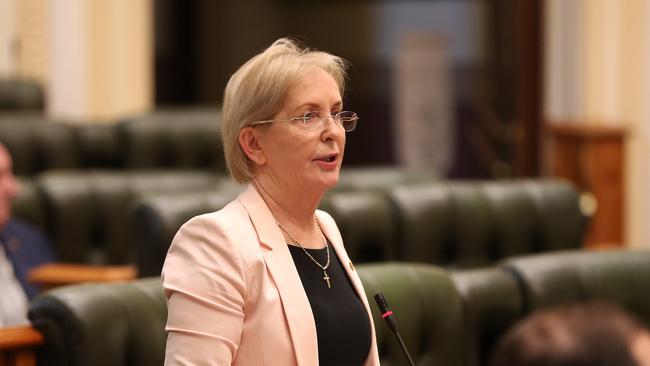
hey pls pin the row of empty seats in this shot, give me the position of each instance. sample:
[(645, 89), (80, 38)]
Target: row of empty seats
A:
[(179, 139), (450, 318), (456, 224), (110, 217)]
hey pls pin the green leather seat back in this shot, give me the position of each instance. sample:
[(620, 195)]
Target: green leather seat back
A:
[(28, 204), (380, 178), (468, 224), (99, 146), (366, 222), (102, 324), (88, 212), (427, 307), (492, 302), (514, 219), (562, 277), (157, 218), (20, 94), (471, 227), (36, 145), (183, 139), (423, 214), (561, 224)]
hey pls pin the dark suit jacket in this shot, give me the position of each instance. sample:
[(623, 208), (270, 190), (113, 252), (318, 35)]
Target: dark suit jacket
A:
[(26, 248)]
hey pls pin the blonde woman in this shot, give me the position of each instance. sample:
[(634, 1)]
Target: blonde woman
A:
[(267, 280)]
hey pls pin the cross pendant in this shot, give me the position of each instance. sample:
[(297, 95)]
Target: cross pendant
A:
[(327, 279)]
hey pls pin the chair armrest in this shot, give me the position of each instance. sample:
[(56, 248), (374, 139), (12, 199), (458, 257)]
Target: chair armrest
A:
[(18, 344), (61, 274), (20, 336)]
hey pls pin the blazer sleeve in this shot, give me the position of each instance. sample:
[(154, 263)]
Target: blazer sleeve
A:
[(205, 286)]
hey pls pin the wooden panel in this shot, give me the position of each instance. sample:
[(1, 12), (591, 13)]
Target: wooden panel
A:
[(18, 344), (592, 157), (62, 274)]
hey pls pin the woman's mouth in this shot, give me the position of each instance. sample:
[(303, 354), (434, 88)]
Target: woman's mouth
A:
[(327, 162)]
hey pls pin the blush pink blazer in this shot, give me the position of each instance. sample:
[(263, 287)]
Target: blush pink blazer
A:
[(233, 293)]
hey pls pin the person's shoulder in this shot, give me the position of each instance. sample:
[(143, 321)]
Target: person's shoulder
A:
[(22, 229), (229, 226), (211, 238), (34, 246), (324, 217), (230, 215)]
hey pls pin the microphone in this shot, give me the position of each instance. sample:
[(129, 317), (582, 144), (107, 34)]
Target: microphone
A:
[(387, 314)]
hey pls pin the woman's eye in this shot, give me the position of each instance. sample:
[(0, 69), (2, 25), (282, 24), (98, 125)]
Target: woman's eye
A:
[(311, 117)]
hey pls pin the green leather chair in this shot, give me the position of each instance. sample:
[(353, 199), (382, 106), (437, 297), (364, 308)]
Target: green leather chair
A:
[(428, 310), (123, 324), (366, 222), (381, 178), (101, 324), (364, 216), (555, 278), (469, 224), (20, 94), (36, 145), (182, 139), (28, 204), (87, 213), (492, 303), (100, 146)]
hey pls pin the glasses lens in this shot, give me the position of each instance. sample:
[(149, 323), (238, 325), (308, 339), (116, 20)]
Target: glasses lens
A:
[(348, 120)]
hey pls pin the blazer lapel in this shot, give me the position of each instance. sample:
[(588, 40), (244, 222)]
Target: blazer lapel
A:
[(297, 310)]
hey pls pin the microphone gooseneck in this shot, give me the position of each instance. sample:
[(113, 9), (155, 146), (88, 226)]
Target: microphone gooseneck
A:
[(388, 315)]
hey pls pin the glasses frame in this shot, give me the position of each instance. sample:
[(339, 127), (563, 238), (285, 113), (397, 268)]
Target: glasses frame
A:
[(307, 116)]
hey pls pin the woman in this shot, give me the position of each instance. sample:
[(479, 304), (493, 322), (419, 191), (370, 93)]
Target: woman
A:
[(266, 280)]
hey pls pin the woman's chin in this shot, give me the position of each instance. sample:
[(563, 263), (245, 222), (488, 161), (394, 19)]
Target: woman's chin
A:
[(329, 179)]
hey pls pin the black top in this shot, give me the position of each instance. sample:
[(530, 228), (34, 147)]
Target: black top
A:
[(342, 323)]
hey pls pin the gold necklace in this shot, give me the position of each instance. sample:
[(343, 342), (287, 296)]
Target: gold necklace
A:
[(326, 278)]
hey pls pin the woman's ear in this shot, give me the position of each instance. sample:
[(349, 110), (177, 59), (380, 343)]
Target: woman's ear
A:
[(250, 144)]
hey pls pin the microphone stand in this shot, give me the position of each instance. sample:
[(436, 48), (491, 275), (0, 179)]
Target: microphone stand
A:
[(387, 314)]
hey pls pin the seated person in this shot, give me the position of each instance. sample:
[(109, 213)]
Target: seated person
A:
[(592, 334), (22, 248)]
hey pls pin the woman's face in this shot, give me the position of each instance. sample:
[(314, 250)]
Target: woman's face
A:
[(301, 156)]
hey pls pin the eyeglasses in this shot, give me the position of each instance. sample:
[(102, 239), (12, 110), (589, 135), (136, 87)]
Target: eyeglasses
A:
[(313, 120)]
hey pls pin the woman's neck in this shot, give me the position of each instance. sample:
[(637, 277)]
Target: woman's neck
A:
[(293, 209), (291, 204)]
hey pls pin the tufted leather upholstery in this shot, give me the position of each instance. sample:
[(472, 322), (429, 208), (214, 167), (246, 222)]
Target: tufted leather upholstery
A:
[(427, 307), (554, 278), (181, 139), (123, 324), (467, 224), (458, 224), (102, 324), (20, 94), (380, 178), (28, 204), (88, 212), (99, 146), (445, 317), (366, 222), (156, 219), (492, 302), (36, 145)]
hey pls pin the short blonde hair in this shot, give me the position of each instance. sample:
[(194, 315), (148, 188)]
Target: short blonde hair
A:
[(257, 91)]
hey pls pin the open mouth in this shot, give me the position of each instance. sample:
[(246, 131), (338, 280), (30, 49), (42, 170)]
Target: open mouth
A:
[(328, 158)]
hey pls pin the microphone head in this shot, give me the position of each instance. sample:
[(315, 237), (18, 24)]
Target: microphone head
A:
[(382, 303)]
